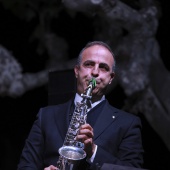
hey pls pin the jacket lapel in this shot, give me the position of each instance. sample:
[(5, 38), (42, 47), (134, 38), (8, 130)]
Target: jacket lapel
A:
[(62, 118), (107, 116)]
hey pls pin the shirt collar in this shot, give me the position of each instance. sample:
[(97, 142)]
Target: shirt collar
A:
[(78, 98)]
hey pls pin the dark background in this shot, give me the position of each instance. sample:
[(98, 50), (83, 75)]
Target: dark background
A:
[(18, 114)]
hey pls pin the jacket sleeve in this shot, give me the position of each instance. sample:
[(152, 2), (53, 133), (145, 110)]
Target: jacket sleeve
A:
[(129, 151), (31, 157)]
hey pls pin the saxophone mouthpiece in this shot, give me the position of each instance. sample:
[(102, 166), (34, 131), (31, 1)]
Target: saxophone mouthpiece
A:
[(93, 82)]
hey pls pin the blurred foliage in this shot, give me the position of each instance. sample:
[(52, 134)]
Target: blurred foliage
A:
[(29, 9)]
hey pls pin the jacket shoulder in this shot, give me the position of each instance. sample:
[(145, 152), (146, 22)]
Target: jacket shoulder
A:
[(51, 109), (122, 113)]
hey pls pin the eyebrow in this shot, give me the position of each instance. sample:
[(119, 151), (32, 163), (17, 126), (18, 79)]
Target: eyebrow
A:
[(100, 64)]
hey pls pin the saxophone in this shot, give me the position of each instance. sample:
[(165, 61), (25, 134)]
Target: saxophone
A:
[(73, 150)]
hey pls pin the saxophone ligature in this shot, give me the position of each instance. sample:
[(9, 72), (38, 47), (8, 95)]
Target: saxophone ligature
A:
[(73, 150)]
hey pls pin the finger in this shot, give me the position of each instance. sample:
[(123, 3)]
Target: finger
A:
[(88, 142), (86, 126), (88, 147), (86, 132), (82, 137), (51, 167)]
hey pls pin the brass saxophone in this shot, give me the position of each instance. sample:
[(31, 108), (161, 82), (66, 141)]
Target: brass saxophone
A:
[(73, 150)]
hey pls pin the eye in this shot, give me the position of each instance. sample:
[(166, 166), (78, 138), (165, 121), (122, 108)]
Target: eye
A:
[(104, 67), (88, 64)]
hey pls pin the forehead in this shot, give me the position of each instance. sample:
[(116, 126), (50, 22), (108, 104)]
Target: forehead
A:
[(98, 53)]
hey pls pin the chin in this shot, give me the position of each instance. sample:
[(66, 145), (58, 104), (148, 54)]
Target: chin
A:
[(96, 93)]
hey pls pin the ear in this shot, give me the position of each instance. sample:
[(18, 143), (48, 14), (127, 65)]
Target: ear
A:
[(112, 76), (76, 69)]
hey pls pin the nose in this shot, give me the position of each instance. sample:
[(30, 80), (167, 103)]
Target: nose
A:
[(95, 71)]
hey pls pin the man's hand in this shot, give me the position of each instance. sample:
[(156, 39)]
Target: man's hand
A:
[(85, 135), (51, 167)]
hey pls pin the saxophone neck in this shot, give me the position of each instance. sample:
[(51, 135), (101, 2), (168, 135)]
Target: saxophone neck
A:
[(88, 92)]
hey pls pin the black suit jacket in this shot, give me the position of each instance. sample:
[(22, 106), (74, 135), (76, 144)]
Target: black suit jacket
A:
[(116, 133)]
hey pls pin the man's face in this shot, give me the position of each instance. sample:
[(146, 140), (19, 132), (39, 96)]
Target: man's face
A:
[(97, 62)]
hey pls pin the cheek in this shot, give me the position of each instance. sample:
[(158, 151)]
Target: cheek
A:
[(84, 72), (106, 78)]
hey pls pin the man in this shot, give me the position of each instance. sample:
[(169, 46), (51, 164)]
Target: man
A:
[(110, 135)]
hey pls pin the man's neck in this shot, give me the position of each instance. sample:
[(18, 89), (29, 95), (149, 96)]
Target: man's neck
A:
[(95, 98)]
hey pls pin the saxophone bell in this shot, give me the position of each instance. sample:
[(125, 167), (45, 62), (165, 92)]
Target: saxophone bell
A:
[(72, 153)]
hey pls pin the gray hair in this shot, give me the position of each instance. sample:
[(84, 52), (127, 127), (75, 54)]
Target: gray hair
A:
[(89, 44)]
